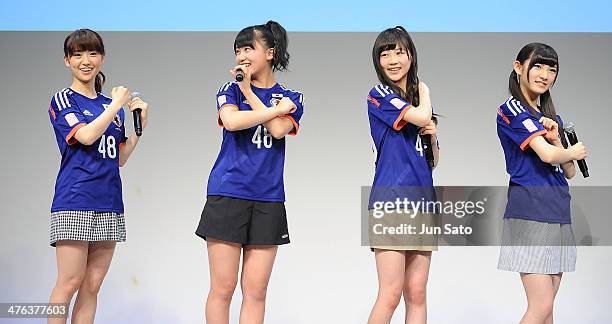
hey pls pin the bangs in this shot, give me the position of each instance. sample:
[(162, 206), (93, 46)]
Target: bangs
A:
[(544, 55), (391, 39), (83, 40), (245, 38)]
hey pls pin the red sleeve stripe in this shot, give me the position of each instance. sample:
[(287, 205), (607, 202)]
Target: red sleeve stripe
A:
[(400, 122), (374, 101), (52, 112), (219, 121), (525, 143), (501, 114), (70, 139), (296, 126)]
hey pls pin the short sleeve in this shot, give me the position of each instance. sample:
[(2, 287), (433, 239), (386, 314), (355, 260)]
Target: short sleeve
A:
[(226, 97), (518, 123), (66, 116), (387, 106), (298, 99)]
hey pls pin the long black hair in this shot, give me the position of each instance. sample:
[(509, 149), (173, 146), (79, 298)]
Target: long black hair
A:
[(85, 40), (536, 53), (390, 39), (271, 35)]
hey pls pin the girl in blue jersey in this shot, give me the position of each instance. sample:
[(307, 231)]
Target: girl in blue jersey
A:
[(244, 211), (538, 241), (87, 211), (400, 111)]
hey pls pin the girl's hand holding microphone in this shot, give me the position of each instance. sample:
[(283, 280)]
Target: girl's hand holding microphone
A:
[(242, 75), (578, 151), (136, 103)]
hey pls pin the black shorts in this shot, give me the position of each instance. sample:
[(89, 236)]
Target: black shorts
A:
[(247, 222)]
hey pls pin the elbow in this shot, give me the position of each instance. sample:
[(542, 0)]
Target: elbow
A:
[(546, 158), (229, 125), (86, 140), (422, 121), (123, 156), (277, 134), (84, 137), (227, 121), (425, 118)]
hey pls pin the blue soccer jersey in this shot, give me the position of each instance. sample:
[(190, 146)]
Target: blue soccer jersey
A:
[(251, 162), (401, 167), (88, 178), (538, 190)]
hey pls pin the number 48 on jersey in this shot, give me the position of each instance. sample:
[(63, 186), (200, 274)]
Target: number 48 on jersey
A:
[(107, 147), (262, 136)]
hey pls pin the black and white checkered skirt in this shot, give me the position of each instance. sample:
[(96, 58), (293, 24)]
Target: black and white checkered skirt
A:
[(90, 226), (537, 247)]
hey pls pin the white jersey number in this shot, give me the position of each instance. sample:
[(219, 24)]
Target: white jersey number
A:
[(107, 147), (418, 145), (262, 137)]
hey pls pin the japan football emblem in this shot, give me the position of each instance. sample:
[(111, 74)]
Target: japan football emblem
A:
[(117, 120)]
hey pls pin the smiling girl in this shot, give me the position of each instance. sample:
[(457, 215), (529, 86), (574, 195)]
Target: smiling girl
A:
[(399, 110), (538, 241), (245, 211), (87, 211)]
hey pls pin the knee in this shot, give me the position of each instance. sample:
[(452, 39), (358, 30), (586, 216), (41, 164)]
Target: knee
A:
[(544, 308), (69, 284), (223, 288), (390, 298), (254, 291), (547, 308), (92, 283), (416, 295)]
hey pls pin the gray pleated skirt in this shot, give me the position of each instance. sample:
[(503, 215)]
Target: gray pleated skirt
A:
[(537, 247), (90, 226)]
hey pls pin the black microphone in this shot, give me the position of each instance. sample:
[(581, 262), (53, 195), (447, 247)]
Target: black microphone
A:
[(136, 114), (239, 75), (426, 143), (573, 139)]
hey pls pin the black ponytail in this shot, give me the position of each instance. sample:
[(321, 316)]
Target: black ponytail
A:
[(100, 79), (281, 56), (271, 35)]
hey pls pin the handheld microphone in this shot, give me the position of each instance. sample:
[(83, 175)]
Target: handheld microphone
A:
[(136, 113), (573, 139), (426, 142), (239, 75)]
